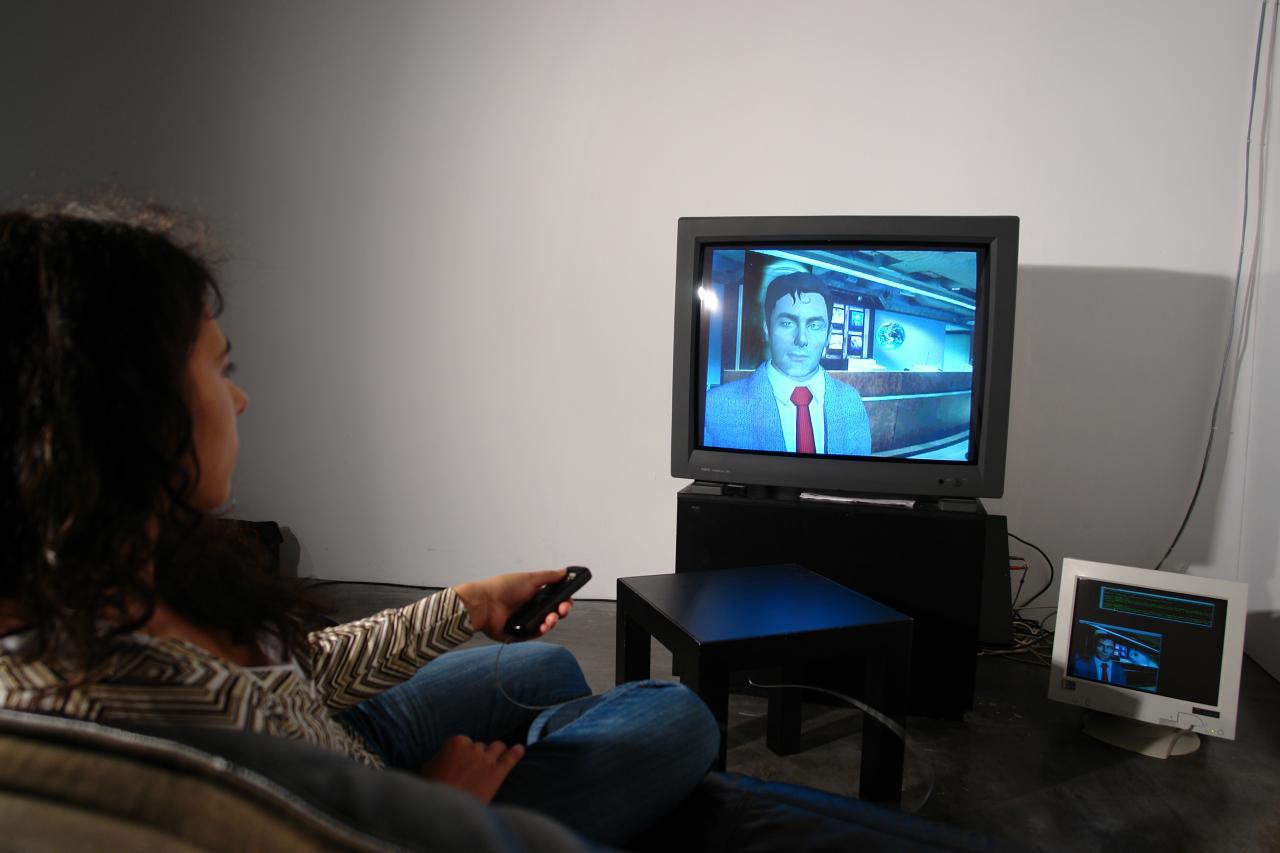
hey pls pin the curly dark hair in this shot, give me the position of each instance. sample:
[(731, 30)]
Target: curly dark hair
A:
[(99, 311)]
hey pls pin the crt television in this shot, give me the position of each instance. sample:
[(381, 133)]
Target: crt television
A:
[(1158, 653), (914, 314)]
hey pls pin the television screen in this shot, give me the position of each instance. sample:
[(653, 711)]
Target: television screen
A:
[(775, 320), (861, 354)]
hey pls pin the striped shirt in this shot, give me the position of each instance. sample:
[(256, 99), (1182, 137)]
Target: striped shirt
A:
[(173, 682)]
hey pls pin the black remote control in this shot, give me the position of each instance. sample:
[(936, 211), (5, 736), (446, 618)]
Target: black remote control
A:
[(526, 621)]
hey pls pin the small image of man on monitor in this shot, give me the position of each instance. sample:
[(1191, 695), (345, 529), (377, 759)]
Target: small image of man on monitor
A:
[(1103, 665), (789, 403)]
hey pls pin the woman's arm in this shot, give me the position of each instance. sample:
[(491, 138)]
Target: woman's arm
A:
[(357, 660)]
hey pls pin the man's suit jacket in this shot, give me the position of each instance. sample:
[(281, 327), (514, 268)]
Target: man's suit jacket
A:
[(1084, 668), (744, 415)]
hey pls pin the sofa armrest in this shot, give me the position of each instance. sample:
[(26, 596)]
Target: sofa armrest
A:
[(230, 790)]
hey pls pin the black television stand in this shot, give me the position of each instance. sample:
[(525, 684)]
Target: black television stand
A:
[(942, 562)]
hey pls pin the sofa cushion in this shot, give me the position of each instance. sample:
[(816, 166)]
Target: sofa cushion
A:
[(731, 812), (389, 804), (74, 784), (78, 792)]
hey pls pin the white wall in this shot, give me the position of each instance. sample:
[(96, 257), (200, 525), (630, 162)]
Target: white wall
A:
[(446, 220), (1241, 524)]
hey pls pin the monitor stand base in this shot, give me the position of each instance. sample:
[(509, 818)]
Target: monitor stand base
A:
[(1145, 738)]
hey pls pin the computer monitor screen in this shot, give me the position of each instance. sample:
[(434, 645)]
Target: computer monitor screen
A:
[(1158, 647)]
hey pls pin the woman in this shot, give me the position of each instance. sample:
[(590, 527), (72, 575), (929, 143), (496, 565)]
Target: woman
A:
[(120, 604)]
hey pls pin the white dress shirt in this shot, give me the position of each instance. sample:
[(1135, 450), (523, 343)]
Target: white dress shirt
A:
[(783, 385)]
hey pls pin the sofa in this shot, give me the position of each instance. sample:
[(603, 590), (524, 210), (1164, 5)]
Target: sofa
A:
[(74, 785)]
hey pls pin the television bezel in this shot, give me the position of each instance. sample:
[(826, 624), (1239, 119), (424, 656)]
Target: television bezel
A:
[(981, 477), (1137, 704)]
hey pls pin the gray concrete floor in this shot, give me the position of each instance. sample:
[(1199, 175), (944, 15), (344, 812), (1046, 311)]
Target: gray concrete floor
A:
[(1018, 766)]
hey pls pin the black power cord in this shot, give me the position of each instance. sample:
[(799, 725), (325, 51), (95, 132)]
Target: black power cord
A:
[(1048, 583), (1032, 641)]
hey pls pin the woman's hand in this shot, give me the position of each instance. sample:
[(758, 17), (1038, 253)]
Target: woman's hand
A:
[(476, 768), (491, 602)]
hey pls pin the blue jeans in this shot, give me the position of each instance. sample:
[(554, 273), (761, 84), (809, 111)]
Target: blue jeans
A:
[(607, 765)]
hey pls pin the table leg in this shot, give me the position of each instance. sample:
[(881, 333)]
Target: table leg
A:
[(783, 733), (631, 650), (711, 683), (887, 685)]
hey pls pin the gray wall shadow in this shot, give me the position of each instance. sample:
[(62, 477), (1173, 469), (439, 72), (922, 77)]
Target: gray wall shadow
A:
[(1115, 372)]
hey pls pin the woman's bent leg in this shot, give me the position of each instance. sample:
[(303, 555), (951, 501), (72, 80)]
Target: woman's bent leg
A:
[(610, 765), (457, 694), (607, 765)]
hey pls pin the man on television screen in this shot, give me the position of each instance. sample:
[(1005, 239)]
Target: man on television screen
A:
[(789, 403), (1103, 665)]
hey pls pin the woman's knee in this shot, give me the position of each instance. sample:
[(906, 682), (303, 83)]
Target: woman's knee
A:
[(547, 654), (692, 717), (671, 718), (619, 761), (549, 663)]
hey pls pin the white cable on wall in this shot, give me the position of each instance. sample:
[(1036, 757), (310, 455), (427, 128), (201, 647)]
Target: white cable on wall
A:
[(1245, 284)]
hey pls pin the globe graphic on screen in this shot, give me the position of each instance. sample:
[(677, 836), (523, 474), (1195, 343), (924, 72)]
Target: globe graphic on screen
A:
[(891, 335)]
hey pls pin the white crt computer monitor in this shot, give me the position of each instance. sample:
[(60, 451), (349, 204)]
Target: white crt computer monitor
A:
[(1157, 653)]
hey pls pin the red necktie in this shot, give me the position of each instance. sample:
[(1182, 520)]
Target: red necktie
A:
[(1106, 672), (804, 425)]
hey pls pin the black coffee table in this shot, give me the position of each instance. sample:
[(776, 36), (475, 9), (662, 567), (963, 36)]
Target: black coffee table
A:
[(723, 621)]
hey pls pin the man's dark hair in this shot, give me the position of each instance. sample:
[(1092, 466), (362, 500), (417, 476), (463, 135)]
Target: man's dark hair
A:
[(794, 284), (99, 312)]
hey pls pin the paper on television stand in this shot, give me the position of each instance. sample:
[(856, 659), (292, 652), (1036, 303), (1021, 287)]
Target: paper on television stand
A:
[(845, 499)]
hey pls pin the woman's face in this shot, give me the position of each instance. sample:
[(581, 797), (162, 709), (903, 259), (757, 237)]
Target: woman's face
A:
[(215, 403)]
